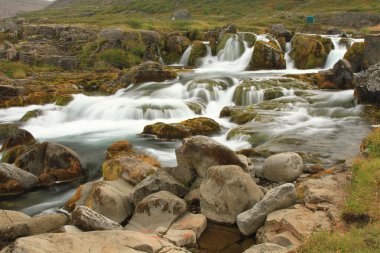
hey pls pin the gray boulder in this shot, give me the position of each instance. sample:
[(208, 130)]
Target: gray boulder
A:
[(368, 85), (112, 34), (182, 15), (283, 167), (200, 153), (266, 248), (279, 30), (372, 49), (156, 213), (227, 191), (160, 181), (277, 198), (89, 220), (14, 180), (343, 74)]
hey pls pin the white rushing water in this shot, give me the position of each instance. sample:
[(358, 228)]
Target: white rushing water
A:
[(319, 122)]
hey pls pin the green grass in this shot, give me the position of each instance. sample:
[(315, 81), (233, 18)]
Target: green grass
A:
[(361, 210), (248, 15), (20, 70)]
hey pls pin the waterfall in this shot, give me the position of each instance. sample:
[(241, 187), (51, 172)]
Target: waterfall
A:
[(336, 54), (289, 61), (186, 55), (232, 50)]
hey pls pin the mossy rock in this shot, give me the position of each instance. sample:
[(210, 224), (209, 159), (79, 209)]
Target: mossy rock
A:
[(239, 114), (167, 131), (249, 38), (266, 56), (253, 136), (308, 52), (273, 93), (202, 126), (198, 51), (10, 155), (7, 130), (197, 108), (355, 55), (346, 42), (327, 43), (31, 114), (64, 100)]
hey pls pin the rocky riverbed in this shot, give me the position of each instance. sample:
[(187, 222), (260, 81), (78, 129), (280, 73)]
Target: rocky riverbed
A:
[(238, 143)]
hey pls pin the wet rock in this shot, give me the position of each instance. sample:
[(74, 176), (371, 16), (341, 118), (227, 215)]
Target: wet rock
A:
[(181, 238), (89, 220), (367, 85), (7, 130), (202, 126), (227, 191), (40, 224), (341, 76), (266, 56), (160, 181), (131, 167), (198, 51), (30, 115), (279, 30), (355, 55), (308, 52), (289, 227), (372, 49), (51, 162), (18, 137), (96, 241), (239, 114), (8, 217), (167, 131), (283, 167), (108, 198), (249, 38), (277, 198), (266, 248), (175, 46), (119, 147), (182, 15), (200, 153), (194, 222), (14, 181), (156, 212), (147, 72)]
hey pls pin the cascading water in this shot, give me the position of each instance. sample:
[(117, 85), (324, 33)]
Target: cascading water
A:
[(318, 123), (233, 50), (186, 55), (289, 61)]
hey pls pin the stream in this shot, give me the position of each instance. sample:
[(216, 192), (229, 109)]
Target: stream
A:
[(326, 126)]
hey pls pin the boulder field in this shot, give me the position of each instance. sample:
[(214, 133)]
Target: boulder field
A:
[(212, 193)]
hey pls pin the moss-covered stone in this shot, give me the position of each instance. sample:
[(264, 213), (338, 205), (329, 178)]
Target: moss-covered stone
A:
[(309, 52), (202, 126), (239, 114), (7, 130), (167, 131), (249, 38), (31, 114), (266, 56), (10, 155), (273, 93), (198, 51), (355, 55), (197, 108), (63, 100)]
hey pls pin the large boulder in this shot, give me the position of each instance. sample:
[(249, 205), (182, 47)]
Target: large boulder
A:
[(189, 221), (200, 153), (19, 137), (279, 30), (290, 227), (39, 224), (131, 167), (89, 220), (227, 191), (266, 248), (51, 162), (112, 34), (308, 52), (239, 114), (283, 167), (96, 241), (202, 126), (372, 49), (277, 198), (266, 56), (108, 198), (175, 46), (182, 15), (160, 181), (156, 212), (340, 76), (147, 72), (368, 85), (15, 181), (355, 55)]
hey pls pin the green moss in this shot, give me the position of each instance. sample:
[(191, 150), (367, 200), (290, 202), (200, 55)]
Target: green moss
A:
[(267, 56), (31, 114), (118, 58), (64, 100), (308, 52), (250, 38), (273, 93), (239, 115), (198, 51)]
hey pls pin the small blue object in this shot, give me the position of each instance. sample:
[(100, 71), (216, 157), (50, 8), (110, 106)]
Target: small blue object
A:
[(310, 19)]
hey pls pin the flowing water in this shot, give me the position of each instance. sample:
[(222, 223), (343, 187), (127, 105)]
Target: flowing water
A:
[(325, 126)]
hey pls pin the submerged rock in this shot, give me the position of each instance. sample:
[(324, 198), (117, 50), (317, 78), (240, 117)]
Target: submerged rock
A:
[(368, 86), (156, 212), (277, 198), (239, 114), (147, 72), (227, 191), (89, 220), (200, 153), (51, 162), (14, 180), (283, 167)]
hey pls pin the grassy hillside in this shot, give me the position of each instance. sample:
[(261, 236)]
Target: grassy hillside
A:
[(156, 14), (11, 8)]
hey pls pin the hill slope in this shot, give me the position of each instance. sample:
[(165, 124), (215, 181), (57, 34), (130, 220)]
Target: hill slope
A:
[(10, 8)]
